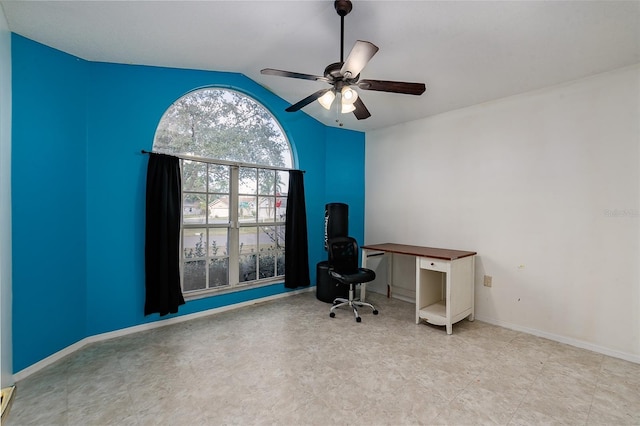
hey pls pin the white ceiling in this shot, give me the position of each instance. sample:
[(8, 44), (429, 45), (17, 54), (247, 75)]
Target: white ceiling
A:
[(467, 52)]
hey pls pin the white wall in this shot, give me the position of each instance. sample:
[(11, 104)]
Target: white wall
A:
[(6, 373), (545, 187)]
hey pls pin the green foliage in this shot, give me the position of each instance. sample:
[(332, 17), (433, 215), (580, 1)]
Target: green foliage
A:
[(200, 250), (224, 125)]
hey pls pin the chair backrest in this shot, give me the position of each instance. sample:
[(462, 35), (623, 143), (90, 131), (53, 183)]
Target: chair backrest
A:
[(343, 255)]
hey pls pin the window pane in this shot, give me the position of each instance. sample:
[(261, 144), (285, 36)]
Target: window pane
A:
[(194, 176), (280, 229), (194, 276), (218, 178), (266, 181), (280, 264), (267, 238), (218, 207), (248, 239), (194, 242), (247, 208), (193, 125), (266, 209), (194, 208), (281, 209), (219, 272), (248, 268), (282, 183), (267, 265), (218, 242), (248, 180)]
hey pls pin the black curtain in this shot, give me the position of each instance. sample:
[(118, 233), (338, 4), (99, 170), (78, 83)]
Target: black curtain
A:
[(162, 236), (296, 251)]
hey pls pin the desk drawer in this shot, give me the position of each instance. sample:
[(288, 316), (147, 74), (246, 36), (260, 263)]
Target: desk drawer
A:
[(434, 264)]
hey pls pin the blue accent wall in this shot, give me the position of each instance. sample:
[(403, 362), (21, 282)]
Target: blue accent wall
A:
[(48, 174), (79, 188)]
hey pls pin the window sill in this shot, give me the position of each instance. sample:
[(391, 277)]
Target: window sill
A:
[(201, 294)]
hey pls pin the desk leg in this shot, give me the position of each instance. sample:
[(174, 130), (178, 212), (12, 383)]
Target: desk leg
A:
[(363, 286), (472, 281), (389, 257), (418, 290)]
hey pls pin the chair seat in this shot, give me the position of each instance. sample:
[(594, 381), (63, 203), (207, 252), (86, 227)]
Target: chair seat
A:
[(362, 276)]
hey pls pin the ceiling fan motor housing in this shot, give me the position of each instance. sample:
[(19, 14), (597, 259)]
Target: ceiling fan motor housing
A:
[(343, 7)]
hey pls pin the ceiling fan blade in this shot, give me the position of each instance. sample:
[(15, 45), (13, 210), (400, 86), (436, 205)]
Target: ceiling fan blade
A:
[(281, 73), (360, 55), (306, 101), (393, 86), (361, 112)]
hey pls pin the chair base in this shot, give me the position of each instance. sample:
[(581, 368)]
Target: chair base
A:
[(351, 302)]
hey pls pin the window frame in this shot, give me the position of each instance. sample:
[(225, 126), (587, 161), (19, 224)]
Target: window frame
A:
[(233, 226)]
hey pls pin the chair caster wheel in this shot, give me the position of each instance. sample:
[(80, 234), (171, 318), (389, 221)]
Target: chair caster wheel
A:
[(375, 312), (332, 314), (358, 319)]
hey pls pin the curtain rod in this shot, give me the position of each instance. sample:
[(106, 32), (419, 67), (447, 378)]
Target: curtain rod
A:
[(223, 162)]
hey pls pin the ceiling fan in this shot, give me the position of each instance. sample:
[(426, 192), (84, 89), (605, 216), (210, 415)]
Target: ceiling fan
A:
[(345, 74)]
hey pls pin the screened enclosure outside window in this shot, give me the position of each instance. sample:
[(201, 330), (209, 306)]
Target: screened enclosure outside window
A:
[(234, 157)]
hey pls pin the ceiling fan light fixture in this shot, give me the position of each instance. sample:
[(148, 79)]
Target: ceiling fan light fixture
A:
[(347, 108), (349, 95), (327, 99)]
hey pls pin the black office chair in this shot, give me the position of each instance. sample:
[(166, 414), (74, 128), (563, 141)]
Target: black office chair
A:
[(343, 267)]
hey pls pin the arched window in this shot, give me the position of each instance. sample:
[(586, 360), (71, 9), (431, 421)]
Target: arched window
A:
[(234, 162)]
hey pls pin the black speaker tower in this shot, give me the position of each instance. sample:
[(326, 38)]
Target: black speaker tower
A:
[(336, 224)]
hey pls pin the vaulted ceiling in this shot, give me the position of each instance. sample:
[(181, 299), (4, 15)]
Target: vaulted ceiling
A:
[(467, 52)]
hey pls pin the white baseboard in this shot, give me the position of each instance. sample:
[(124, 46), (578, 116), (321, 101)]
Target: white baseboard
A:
[(22, 374), (555, 337), (562, 339), (175, 320)]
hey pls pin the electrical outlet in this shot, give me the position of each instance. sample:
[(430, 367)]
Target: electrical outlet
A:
[(487, 280)]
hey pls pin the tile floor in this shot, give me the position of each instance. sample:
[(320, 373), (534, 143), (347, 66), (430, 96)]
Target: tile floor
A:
[(285, 362)]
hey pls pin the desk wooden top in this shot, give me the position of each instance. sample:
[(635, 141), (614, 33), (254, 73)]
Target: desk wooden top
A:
[(436, 253)]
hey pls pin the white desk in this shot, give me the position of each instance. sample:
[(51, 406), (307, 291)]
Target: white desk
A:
[(444, 281)]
